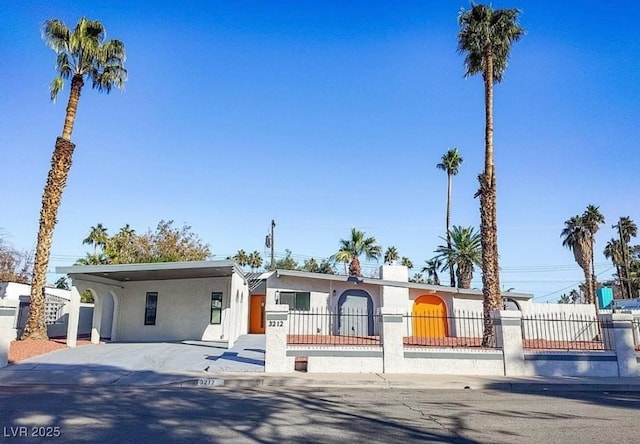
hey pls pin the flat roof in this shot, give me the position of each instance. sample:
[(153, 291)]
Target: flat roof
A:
[(155, 271), (402, 284)]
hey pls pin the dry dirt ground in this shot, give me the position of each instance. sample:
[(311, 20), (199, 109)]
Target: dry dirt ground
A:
[(21, 350)]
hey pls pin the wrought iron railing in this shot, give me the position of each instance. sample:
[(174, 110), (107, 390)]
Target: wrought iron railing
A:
[(560, 331), (325, 327)]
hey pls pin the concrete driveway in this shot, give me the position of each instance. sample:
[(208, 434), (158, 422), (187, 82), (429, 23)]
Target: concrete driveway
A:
[(247, 355)]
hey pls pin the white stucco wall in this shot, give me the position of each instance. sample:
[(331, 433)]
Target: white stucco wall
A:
[(183, 310), (321, 291), (573, 364)]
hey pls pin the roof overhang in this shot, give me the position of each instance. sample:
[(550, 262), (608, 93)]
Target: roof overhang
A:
[(155, 271)]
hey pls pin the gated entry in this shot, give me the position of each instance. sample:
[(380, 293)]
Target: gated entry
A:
[(355, 309)]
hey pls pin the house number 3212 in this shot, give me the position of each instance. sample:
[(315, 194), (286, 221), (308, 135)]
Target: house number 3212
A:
[(276, 323)]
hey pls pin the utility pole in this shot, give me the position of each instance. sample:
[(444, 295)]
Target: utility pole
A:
[(270, 243)]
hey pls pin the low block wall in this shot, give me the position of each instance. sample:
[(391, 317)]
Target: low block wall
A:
[(341, 359), (617, 355), (453, 361), (600, 364)]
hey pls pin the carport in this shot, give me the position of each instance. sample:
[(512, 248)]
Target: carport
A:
[(171, 301)]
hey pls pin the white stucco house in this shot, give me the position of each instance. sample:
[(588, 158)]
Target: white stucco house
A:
[(172, 301), (217, 301)]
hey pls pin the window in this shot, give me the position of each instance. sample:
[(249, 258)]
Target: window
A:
[(150, 308), (216, 308), (296, 300)]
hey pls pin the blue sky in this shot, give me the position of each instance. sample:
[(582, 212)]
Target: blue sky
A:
[(325, 116)]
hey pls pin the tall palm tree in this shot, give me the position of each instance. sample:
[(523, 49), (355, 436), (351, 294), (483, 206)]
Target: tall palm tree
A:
[(97, 237), (82, 53), (450, 164), (433, 265), (627, 229), (614, 250), (485, 37), (576, 237), (355, 246), (592, 218), (464, 253), (391, 255)]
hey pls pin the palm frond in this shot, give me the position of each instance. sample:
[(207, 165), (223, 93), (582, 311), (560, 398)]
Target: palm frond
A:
[(55, 87)]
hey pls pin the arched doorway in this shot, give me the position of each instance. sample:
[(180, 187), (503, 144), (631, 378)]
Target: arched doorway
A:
[(511, 304), (355, 313), (430, 317)]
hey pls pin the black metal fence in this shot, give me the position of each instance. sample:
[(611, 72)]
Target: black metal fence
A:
[(463, 329), (325, 327), (560, 331)]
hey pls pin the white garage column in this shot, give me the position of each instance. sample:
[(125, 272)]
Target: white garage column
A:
[(392, 339), (74, 317), (96, 323), (508, 328), (275, 356), (8, 313)]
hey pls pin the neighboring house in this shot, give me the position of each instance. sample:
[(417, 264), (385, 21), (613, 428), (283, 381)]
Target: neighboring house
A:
[(173, 301), (57, 306)]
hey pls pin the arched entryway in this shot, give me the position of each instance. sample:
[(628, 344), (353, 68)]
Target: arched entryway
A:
[(355, 313), (511, 304), (430, 317)]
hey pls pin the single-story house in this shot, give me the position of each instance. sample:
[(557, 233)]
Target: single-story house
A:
[(345, 295), (217, 301)]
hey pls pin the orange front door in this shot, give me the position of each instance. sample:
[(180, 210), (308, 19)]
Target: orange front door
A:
[(256, 317), (429, 317)]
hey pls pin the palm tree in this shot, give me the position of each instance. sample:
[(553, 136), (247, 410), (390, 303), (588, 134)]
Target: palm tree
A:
[(433, 265), (464, 253), (592, 218), (576, 237), (391, 255), (614, 250), (241, 258), (451, 162), (486, 36), (97, 237), (626, 230), (93, 259), (255, 261), (81, 53), (406, 262), (354, 247)]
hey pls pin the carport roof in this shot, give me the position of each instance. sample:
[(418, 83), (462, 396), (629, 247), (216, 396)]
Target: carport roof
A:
[(154, 271)]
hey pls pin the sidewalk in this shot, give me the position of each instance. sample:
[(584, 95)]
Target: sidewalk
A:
[(83, 376)]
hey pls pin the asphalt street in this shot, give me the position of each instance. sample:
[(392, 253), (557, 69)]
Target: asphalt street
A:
[(275, 415)]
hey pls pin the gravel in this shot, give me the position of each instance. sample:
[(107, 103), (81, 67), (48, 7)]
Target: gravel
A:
[(21, 350)]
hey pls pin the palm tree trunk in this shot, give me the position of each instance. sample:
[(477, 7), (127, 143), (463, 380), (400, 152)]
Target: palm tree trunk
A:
[(452, 276), (354, 267), (72, 107), (488, 214), (35, 327)]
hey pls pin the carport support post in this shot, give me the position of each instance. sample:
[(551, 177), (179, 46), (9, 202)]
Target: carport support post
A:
[(618, 331), (275, 356), (508, 328), (74, 317), (392, 339)]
